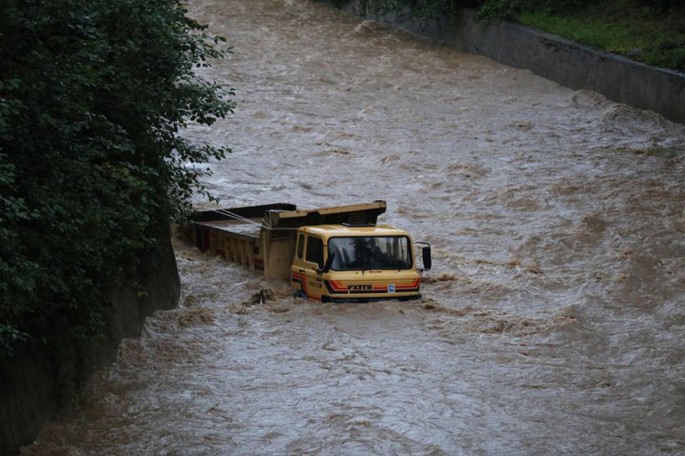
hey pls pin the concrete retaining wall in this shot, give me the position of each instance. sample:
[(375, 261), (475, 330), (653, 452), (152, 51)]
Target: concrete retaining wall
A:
[(42, 380), (559, 60), (575, 66)]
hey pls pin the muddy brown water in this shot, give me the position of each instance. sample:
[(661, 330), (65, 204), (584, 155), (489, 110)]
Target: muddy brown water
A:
[(553, 321)]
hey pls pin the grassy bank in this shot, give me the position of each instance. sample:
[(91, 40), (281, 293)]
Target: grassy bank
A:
[(654, 36)]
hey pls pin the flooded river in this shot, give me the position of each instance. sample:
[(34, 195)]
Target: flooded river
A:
[(552, 323)]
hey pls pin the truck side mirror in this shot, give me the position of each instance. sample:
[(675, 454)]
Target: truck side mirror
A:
[(427, 262), (329, 263)]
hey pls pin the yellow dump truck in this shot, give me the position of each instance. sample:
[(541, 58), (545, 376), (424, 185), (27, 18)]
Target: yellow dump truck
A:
[(328, 254)]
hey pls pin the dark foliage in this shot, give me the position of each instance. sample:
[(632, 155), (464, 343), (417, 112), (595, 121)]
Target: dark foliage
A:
[(92, 96)]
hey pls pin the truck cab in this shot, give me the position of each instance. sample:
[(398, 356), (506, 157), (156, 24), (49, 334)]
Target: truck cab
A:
[(362, 262)]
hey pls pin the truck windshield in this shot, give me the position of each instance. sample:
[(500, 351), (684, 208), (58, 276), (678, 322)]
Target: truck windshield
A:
[(372, 252)]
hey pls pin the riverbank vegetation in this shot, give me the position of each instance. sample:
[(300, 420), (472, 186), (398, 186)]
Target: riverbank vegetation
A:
[(651, 32), (647, 31), (93, 94)]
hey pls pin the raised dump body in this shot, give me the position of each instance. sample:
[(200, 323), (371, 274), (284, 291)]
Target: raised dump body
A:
[(263, 238)]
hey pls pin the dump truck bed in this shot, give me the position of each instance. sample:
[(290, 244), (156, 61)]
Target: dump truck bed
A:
[(262, 238)]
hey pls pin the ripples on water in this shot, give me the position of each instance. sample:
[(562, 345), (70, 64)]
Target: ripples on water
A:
[(552, 323)]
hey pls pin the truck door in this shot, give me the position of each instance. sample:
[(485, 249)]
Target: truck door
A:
[(307, 267)]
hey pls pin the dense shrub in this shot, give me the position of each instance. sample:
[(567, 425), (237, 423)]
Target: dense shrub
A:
[(93, 94)]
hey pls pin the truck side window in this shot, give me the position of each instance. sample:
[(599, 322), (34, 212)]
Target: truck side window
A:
[(315, 251), (300, 246)]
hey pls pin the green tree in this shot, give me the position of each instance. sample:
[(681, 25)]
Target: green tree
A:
[(93, 97)]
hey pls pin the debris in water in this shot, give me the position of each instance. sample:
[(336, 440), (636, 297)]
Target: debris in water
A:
[(261, 297)]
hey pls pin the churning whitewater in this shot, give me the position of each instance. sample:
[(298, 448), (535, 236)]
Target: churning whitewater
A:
[(553, 321)]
